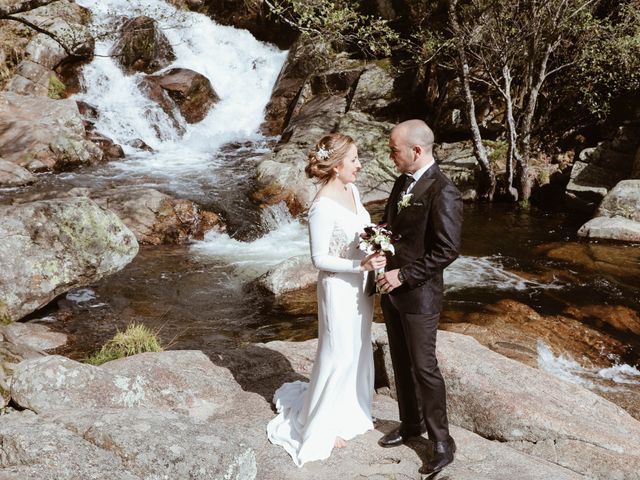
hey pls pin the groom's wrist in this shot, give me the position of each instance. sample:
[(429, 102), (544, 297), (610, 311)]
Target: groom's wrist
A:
[(401, 278)]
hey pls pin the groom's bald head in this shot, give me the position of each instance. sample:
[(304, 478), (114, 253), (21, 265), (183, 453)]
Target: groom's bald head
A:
[(415, 132)]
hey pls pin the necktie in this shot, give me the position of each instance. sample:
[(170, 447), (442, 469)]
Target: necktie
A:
[(408, 180)]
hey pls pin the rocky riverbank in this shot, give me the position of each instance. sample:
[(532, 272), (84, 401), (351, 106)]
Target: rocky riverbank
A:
[(183, 415)]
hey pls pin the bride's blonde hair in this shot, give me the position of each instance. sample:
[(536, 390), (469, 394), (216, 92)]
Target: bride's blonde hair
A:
[(328, 153)]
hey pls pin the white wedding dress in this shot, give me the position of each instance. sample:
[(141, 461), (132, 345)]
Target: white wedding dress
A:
[(337, 400)]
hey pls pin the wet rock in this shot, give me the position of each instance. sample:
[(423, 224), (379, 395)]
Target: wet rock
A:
[(110, 149), (150, 88), (513, 329), (610, 259), (41, 134), (607, 228), (33, 335), (190, 90), (12, 175), (140, 145), (142, 47), (87, 110), (53, 246), (292, 274), (156, 218)]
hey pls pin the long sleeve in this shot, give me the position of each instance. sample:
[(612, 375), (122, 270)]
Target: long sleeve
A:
[(321, 227)]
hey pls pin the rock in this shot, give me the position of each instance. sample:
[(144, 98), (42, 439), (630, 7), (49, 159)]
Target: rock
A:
[(374, 93), (67, 21), (378, 174), (622, 201), (292, 274), (12, 175), (157, 94), (32, 446), (618, 216), (536, 412), (609, 259), (33, 335), (611, 229), (140, 145), (110, 149), (142, 47), (156, 218), (280, 175), (53, 246), (529, 410), (191, 91), (185, 381), (41, 134), (514, 329), (590, 183), (305, 57)]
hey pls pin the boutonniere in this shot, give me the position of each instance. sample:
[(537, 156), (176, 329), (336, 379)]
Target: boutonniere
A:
[(404, 201)]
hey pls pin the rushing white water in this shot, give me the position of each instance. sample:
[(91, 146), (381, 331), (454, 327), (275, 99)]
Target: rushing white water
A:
[(566, 368), (241, 70), (291, 238)]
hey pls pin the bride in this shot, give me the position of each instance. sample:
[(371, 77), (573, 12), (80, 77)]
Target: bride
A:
[(335, 405)]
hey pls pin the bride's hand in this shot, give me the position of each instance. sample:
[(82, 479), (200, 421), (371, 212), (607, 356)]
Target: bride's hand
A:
[(374, 261)]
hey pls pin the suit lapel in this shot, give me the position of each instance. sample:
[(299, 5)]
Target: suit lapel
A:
[(426, 180), (393, 200)]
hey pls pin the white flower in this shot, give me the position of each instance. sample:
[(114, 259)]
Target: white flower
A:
[(322, 153), (405, 201)]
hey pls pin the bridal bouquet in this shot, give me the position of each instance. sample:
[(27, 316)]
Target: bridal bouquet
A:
[(377, 238)]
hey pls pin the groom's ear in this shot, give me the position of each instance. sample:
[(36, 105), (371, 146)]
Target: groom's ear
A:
[(417, 149)]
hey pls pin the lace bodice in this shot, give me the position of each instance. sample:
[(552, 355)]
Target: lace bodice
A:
[(334, 232)]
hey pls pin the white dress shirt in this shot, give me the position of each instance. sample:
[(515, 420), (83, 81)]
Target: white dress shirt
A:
[(417, 174)]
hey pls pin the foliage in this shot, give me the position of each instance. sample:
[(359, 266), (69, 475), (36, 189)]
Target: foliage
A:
[(606, 68), (137, 338), (56, 88), (340, 23)]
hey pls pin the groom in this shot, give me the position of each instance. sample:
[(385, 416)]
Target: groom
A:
[(425, 209)]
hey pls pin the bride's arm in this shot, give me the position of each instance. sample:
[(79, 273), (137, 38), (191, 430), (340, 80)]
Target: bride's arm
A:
[(321, 223)]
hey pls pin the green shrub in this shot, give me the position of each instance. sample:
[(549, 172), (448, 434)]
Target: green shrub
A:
[(56, 88), (137, 338)]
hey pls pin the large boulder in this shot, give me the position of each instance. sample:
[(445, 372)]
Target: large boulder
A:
[(600, 168), (184, 381), (142, 47), (157, 218), (292, 274), (52, 246), (618, 216), (41, 134), (104, 416), (68, 22), (523, 408), (190, 90)]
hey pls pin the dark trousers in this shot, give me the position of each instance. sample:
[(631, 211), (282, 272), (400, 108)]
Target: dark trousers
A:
[(420, 387)]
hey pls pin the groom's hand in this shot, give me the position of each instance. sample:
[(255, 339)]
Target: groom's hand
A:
[(388, 281)]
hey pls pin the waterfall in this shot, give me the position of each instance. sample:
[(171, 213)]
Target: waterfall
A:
[(241, 70)]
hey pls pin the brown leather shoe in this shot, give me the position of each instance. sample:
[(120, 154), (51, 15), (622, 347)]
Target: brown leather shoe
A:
[(398, 436), (443, 454)]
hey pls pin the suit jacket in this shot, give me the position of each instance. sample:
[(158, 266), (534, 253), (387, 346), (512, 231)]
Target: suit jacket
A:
[(429, 230)]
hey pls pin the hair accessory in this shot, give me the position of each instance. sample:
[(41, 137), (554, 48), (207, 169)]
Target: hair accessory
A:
[(322, 153)]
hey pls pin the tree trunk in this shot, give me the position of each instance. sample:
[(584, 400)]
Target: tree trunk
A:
[(487, 182), (512, 153)]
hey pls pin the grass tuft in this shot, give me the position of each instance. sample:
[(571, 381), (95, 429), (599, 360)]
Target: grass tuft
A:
[(137, 338)]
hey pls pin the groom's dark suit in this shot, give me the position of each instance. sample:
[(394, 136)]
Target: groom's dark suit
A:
[(430, 229)]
